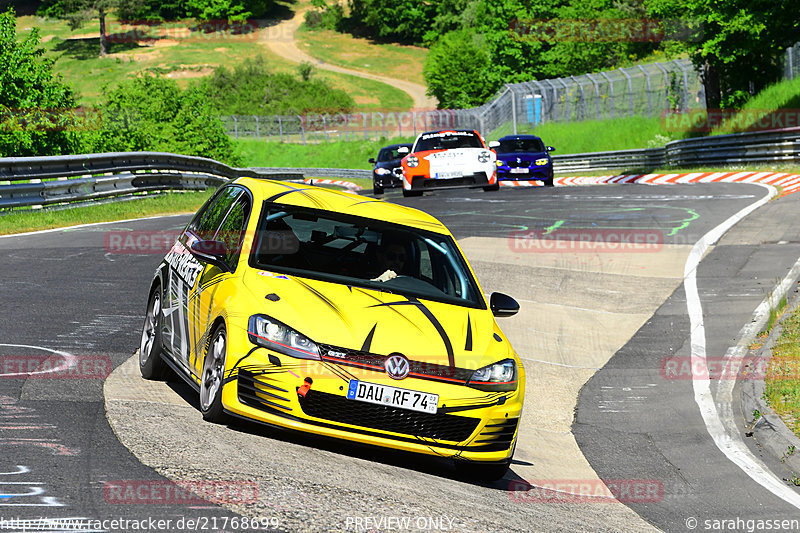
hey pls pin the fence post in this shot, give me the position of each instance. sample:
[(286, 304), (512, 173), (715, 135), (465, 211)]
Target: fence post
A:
[(660, 67), (685, 97), (554, 100), (513, 108), (302, 129), (257, 132), (649, 100), (630, 92), (582, 102), (325, 128), (596, 94), (364, 116), (280, 127), (235, 127), (610, 91)]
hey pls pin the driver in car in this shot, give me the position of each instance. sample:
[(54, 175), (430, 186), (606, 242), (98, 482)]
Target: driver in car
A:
[(391, 259)]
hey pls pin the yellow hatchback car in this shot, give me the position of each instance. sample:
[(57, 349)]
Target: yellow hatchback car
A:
[(339, 315)]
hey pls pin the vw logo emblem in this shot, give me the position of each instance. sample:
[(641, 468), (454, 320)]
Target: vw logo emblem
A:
[(397, 367)]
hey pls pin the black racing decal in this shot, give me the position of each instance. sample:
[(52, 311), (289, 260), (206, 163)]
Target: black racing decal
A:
[(468, 345), (401, 315), (481, 405), (368, 341), (340, 372), (436, 324), (498, 338), (316, 201), (335, 308), (248, 354), (362, 202)]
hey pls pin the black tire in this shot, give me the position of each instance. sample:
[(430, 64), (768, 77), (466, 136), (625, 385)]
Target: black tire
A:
[(376, 190), (484, 472), (213, 377), (151, 365), (548, 183), (495, 187), (409, 194)]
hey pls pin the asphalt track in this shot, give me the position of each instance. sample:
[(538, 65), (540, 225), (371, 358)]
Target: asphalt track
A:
[(65, 291)]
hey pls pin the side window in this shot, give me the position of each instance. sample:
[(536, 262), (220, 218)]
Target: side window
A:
[(207, 221), (232, 229), (425, 266)]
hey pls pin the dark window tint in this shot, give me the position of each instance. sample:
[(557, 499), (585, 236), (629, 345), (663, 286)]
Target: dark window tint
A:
[(519, 146), (207, 221), (448, 141)]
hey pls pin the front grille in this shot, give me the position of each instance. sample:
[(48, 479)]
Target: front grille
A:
[(256, 391), (340, 409), (498, 434), (520, 164)]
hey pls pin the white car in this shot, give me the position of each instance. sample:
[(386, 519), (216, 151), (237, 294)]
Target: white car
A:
[(449, 158)]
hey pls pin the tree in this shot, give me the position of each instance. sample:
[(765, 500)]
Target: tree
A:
[(36, 106), (740, 45), (78, 12), (457, 71)]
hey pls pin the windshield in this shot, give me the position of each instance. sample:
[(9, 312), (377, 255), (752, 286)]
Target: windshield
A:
[(390, 154), (446, 140), (363, 252), (520, 145)]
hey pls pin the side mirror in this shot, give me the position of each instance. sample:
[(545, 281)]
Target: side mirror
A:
[(213, 252), (503, 305), (372, 160), (403, 150), (550, 149), (494, 144)]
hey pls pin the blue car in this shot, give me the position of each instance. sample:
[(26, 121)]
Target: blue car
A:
[(523, 157)]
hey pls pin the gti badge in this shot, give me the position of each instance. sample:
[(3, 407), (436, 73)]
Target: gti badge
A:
[(397, 367), (340, 355)]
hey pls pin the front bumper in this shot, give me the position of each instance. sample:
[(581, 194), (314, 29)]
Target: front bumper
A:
[(469, 424), (387, 181), (534, 173), (425, 183)]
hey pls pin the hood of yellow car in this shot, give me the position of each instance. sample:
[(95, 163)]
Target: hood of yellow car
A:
[(379, 322)]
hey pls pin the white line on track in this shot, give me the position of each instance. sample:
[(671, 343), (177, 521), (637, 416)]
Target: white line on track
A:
[(53, 230), (69, 361), (729, 443)]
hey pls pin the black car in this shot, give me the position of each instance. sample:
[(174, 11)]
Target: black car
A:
[(383, 175), (523, 157)]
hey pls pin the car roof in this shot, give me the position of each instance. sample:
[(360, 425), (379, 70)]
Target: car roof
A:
[(311, 196), (473, 132), (520, 137), (396, 145)]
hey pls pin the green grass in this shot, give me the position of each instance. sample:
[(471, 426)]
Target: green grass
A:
[(352, 154), (344, 50), (784, 95), (181, 55), (782, 383), (598, 135), (159, 204)]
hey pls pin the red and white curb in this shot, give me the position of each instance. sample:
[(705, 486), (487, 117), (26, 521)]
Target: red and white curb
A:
[(788, 183), (349, 185)]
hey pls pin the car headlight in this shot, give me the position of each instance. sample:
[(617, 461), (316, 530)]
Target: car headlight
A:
[(499, 162), (412, 161), (382, 171), (497, 377), (484, 157), (542, 162), (269, 333)]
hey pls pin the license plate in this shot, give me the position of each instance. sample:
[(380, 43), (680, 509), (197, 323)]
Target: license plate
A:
[(451, 174), (518, 170), (392, 396)]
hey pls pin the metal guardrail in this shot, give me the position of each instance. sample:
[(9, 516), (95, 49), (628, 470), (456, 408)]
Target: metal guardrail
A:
[(774, 146), (40, 181)]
